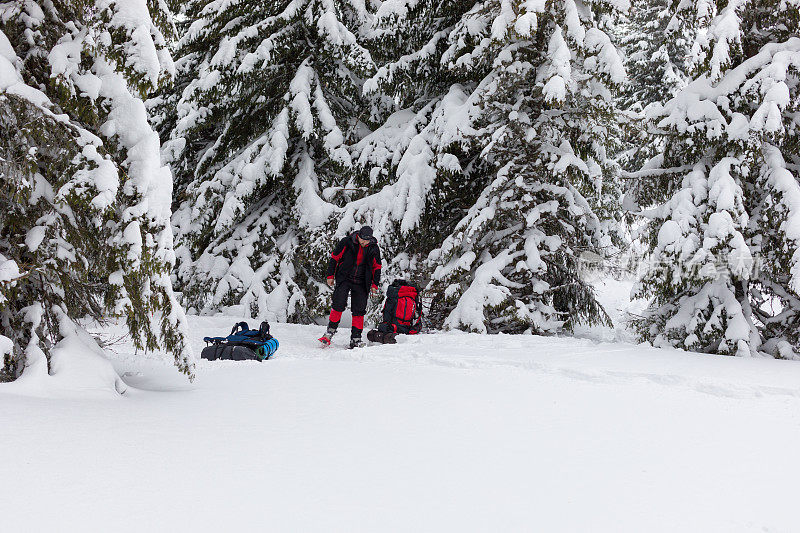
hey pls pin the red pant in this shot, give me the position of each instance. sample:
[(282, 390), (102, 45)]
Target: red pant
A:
[(358, 305)]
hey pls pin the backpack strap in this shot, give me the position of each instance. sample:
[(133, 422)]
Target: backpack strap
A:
[(263, 331), (242, 325)]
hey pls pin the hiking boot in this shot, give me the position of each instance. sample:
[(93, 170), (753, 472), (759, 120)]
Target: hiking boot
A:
[(326, 337), (356, 342)]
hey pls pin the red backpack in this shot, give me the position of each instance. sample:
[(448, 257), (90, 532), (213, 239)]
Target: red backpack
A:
[(402, 311)]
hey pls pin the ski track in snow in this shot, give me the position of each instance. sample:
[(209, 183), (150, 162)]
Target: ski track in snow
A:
[(424, 355)]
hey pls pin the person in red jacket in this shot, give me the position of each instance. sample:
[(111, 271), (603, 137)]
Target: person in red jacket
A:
[(355, 269)]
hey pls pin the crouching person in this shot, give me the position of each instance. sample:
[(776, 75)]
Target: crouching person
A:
[(354, 269)]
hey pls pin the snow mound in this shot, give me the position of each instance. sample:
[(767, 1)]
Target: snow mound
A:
[(78, 366)]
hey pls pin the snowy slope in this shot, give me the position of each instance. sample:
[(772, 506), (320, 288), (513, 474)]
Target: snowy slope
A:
[(445, 432)]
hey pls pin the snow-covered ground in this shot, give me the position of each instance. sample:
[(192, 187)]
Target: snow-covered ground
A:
[(444, 432)]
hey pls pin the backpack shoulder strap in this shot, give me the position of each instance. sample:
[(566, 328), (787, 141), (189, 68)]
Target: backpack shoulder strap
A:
[(263, 331), (242, 325)]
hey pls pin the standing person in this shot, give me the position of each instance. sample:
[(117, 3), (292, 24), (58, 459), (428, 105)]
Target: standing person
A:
[(355, 269)]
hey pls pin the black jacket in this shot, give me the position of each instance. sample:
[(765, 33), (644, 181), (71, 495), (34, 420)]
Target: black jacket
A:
[(342, 264)]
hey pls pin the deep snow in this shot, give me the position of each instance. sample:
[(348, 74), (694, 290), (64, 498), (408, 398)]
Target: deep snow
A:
[(444, 432)]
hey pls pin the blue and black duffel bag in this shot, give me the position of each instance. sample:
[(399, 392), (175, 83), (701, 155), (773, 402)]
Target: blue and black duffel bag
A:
[(242, 344)]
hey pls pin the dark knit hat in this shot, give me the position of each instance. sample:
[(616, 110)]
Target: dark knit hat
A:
[(365, 232)]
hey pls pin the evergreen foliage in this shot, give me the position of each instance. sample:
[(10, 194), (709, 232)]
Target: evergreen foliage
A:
[(484, 141), (424, 159), (260, 200), (723, 206), (84, 208), (270, 96), (657, 46), (547, 123)]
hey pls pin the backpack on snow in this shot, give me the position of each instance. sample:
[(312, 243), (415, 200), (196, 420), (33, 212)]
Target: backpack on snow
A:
[(402, 312), (242, 344)]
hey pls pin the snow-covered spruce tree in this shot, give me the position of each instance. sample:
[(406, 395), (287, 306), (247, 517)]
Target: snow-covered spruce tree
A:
[(725, 260), (657, 46), (84, 200), (546, 122), (270, 97)]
